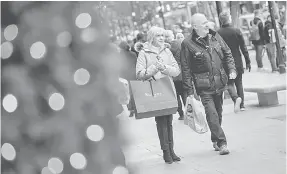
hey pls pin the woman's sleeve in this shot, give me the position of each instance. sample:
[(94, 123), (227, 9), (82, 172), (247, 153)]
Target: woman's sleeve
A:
[(142, 72), (173, 69)]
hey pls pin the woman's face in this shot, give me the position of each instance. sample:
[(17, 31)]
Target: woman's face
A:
[(158, 40), (180, 38)]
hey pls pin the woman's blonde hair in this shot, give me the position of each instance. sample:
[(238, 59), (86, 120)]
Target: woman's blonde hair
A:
[(153, 31)]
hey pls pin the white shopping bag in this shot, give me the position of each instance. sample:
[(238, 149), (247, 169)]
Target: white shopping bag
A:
[(194, 115)]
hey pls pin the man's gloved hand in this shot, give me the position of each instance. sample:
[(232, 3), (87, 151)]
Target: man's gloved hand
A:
[(194, 96), (248, 67)]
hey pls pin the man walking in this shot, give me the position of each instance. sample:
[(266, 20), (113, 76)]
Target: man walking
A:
[(175, 49), (234, 39), (206, 60), (257, 38)]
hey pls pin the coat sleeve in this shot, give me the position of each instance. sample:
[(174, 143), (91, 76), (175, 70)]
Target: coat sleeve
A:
[(173, 69), (143, 73), (185, 70), (228, 59), (243, 47)]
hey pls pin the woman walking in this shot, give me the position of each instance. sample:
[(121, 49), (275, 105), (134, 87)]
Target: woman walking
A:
[(156, 61)]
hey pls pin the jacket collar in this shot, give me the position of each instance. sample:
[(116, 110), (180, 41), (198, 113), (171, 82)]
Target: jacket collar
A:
[(148, 47), (195, 36)]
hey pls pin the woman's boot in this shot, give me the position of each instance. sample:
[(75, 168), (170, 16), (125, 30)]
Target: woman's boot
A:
[(161, 125), (170, 140), (167, 157)]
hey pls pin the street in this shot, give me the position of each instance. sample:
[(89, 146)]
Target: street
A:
[(256, 138)]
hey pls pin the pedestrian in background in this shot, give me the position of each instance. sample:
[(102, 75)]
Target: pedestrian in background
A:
[(140, 38), (179, 37), (156, 60), (203, 56), (129, 60), (235, 41), (270, 41), (175, 49), (257, 37)]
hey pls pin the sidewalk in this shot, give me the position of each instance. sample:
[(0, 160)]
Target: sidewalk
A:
[(256, 139)]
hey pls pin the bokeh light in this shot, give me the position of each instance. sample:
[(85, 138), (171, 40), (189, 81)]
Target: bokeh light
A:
[(10, 32), (56, 165), (10, 103), (81, 76), (47, 170), (8, 152), (64, 39), (6, 50), (38, 50), (89, 35), (95, 133), (120, 170), (83, 20), (78, 161), (56, 101)]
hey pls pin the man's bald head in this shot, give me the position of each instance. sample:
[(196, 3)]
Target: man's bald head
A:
[(200, 24), (197, 19)]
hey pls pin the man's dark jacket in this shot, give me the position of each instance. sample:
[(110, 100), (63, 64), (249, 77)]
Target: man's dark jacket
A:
[(235, 41), (208, 63)]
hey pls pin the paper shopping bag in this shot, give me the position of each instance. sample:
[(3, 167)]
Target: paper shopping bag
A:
[(154, 98)]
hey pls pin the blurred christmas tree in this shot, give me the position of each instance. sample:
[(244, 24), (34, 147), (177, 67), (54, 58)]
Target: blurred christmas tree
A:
[(59, 80)]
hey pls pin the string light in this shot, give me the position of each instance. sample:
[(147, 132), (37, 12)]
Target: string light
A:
[(10, 32), (64, 39), (83, 20), (81, 76), (8, 152), (95, 133), (10, 103), (78, 161), (89, 35), (38, 50), (47, 170), (120, 170), (56, 101), (6, 50), (56, 165)]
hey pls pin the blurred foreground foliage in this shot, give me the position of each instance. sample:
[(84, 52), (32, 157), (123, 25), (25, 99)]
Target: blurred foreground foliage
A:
[(37, 132)]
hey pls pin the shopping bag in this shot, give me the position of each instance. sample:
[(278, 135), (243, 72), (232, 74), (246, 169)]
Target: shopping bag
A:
[(154, 97), (124, 92), (194, 115)]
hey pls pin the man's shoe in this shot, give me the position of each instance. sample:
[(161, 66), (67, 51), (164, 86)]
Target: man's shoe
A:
[(181, 118), (132, 112), (216, 148), (237, 105), (242, 109), (223, 150), (167, 157), (174, 157)]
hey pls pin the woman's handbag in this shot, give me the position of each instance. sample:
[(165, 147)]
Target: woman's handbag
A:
[(154, 98)]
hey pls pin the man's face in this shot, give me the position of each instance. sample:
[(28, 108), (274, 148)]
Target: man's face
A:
[(201, 26)]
